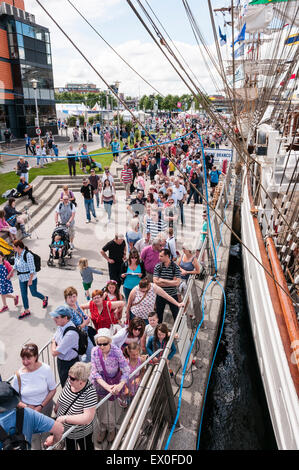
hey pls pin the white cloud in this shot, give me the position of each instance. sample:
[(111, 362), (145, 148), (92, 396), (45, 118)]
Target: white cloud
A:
[(145, 57)]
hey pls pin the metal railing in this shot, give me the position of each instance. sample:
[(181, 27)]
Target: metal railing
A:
[(104, 402), (154, 413)]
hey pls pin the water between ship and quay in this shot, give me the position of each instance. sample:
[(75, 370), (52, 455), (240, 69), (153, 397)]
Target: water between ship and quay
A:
[(236, 415)]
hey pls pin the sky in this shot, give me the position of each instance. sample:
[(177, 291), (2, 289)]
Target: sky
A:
[(117, 23)]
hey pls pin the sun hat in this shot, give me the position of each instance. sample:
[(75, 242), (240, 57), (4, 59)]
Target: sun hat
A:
[(62, 310), (9, 397), (103, 333)]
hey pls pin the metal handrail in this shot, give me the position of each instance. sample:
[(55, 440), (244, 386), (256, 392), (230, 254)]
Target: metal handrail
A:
[(158, 372), (106, 398)]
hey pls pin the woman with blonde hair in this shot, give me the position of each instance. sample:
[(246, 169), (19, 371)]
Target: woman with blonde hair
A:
[(134, 234), (109, 373), (77, 406), (188, 264), (67, 192)]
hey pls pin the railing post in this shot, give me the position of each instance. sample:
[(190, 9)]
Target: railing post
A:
[(170, 410)]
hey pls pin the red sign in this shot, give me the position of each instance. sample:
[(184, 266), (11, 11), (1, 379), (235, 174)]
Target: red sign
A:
[(179, 104), (38, 131)]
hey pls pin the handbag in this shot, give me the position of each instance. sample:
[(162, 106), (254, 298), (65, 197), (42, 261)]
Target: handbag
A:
[(113, 328)]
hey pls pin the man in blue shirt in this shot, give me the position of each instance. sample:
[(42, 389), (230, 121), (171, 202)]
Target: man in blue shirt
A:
[(28, 144), (115, 149), (25, 189), (34, 422), (214, 178)]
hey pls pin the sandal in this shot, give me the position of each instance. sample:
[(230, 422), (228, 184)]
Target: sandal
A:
[(45, 302)]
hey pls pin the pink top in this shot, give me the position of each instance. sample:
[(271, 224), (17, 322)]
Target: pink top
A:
[(150, 258), (3, 223)]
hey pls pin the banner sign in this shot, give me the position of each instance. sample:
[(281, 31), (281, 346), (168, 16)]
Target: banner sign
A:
[(220, 154)]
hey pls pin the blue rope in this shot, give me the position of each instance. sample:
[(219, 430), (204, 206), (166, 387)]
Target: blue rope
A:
[(203, 315), (98, 154)]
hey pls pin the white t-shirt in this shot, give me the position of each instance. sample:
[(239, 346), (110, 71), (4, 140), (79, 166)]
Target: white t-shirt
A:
[(36, 385)]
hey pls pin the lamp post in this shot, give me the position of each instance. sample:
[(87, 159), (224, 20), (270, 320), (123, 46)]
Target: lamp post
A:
[(34, 86), (116, 87)]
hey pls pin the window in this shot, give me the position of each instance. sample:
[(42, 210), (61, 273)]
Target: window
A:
[(20, 40), (19, 27), (21, 53), (28, 30)]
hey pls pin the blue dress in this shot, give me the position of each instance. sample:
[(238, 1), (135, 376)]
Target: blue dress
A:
[(5, 284)]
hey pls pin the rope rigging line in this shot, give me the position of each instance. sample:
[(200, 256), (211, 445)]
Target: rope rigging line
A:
[(112, 48), (159, 146), (234, 140)]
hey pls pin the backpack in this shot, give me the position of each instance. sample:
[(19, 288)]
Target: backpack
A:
[(166, 161), (61, 204), (36, 258), (83, 339), (17, 440)]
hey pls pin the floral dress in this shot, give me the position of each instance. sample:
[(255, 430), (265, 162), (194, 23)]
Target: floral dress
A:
[(5, 284)]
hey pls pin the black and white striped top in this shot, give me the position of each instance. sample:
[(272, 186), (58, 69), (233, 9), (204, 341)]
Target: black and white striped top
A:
[(87, 399), (168, 273), (155, 227)]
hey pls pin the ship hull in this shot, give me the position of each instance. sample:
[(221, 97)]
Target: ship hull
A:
[(278, 384)]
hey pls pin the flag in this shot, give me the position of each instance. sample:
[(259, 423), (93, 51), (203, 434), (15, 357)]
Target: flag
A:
[(241, 35), (264, 2), (291, 40), (292, 77), (250, 50), (239, 51), (222, 37)]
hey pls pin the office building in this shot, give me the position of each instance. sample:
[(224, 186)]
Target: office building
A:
[(25, 55)]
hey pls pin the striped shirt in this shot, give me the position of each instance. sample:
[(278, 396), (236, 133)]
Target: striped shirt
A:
[(126, 175), (87, 399), (155, 227), (168, 273)]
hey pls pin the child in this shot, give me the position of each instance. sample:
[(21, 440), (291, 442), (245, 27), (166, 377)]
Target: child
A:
[(134, 359), (112, 293), (86, 274), (57, 246), (140, 181), (159, 341), (149, 331), (6, 288)]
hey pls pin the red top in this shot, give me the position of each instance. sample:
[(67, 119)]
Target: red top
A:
[(102, 320)]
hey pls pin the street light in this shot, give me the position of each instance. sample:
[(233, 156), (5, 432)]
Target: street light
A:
[(116, 88), (34, 86)]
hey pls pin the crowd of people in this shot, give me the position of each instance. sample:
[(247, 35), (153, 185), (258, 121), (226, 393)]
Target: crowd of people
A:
[(97, 344)]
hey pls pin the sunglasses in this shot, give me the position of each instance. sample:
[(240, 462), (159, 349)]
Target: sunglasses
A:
[(72, 379), (139, 328), (103, 344)]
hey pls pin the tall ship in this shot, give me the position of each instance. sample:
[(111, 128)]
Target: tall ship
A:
[(264, 70)]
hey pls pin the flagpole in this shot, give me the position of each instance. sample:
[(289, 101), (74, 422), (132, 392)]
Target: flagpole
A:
[(233, 43)]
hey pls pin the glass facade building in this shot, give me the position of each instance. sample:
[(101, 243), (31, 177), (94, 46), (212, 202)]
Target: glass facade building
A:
[(25, 55)]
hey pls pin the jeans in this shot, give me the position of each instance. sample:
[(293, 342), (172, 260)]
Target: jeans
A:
[(127, 293), (63, 369), (89, 207), (181, 206), (108, 207), (33, 290), (97, 198)]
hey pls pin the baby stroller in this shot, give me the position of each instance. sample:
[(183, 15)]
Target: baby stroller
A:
[(90, 139), (66, 250)]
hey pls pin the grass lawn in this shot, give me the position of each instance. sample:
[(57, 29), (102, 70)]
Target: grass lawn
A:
[(10, 180)]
